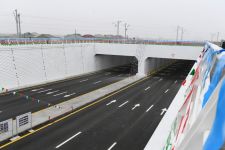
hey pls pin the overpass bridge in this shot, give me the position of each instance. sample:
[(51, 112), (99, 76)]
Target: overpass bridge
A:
[(79, 92), (149, 57)]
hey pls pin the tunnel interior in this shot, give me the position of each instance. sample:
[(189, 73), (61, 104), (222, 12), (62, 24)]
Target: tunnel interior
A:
[(128, 64), (151, 64)]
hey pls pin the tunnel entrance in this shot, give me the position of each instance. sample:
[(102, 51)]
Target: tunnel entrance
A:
[(129, 64), (153, 64)]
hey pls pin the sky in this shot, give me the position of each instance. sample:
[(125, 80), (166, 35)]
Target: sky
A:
[(150, 19)]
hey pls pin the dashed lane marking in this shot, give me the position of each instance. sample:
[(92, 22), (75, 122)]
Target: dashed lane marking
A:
[(34, 90), (149, 108), (58, 146), (44, 91), (60, 94), (69, 95), (97, 82), (166, 90), (84, 80), (123, 103), (111, 147), (52, 92)]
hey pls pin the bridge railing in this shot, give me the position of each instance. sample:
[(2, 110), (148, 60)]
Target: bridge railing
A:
[(21, 41)]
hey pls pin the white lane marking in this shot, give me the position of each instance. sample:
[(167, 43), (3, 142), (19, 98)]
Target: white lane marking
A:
[(44, 91), (108, 73), (84, 80), (58, 146), (97, 82), (163, 110), (113, 101), (166, 90), (123, 104), (119, 75), (135, 106), (112, 146), (160, 79), (60, 94), (175, 81), (149, 108), (52, 92), (70, 95), (147, 88), (34, 90), (0, 111)]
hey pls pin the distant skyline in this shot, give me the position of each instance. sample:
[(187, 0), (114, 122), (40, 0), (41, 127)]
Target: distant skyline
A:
[(152, 19)]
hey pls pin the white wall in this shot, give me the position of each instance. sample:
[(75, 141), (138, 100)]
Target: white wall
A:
[(22, 66), (157, 51), (26, 65)]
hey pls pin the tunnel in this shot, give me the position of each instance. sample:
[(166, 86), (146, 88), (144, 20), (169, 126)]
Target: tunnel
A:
[(109, 61)]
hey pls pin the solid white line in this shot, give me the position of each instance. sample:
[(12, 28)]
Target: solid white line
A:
[(149, 108), (52, 92), (34, 90), (123, 104), (60, 94), (97, 82), (68, 140), (175, 81), (112, 146), (147, 88), (84, 80), (166, 91), (44, 91)]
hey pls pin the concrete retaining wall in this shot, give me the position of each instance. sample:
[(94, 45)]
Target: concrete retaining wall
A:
[(22, 66)]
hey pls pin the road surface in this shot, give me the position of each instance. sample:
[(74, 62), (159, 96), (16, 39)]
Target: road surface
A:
[(124, 121), (13, 105)]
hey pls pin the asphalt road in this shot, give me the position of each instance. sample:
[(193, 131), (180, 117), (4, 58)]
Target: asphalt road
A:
[(124, 121), (13, 105)]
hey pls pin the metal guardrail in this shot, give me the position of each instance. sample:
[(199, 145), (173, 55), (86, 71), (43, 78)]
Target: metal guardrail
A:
[(21, 41)]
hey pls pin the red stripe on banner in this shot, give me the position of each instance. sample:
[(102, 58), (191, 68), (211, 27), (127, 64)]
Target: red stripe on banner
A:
[(186, 119), (189, 95), (179, 127)]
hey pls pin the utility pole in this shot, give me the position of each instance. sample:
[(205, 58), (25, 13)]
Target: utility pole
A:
[(75, 34), (19, 25), (117, 25), (126, 28), (182, 33), (16, 18), (178, 28), (218, 34)]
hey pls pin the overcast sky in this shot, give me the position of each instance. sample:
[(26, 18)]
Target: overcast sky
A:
[(201, 19)]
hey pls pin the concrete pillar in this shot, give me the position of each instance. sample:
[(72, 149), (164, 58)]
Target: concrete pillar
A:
[(141, 67)]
